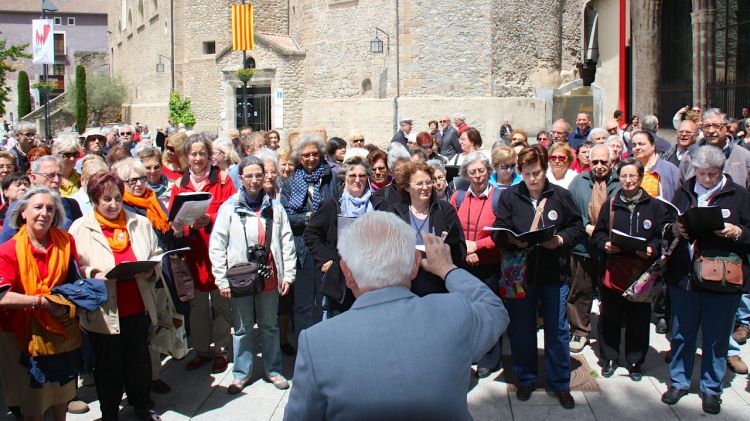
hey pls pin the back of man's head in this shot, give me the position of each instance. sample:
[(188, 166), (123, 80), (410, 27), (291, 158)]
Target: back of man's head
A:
[(650, 123), (379, 250)]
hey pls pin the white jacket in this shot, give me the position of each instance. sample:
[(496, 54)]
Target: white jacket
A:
[(227, 248)]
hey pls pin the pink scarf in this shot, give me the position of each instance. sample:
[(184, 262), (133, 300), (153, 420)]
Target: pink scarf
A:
[(199, 180)]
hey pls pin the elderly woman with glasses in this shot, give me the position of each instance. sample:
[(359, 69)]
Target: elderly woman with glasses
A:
[(539, 203), (476, 207), (271, 182), (68, 149), (357, 139), (378, 162), (617, 145), (206, 326), (302, 194), (561, 157), (119, 329), (636, 213), (441, 188), (704, 305), (252, 217), (420, 208), (322, 231), (504, 164), (155, 179)]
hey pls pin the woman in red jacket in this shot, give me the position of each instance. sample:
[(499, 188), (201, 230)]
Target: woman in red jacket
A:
[(201, 176), (476, 210)]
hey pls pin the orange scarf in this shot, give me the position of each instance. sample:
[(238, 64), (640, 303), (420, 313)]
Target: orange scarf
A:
[(120, 239), (58, 261), (154, 211)]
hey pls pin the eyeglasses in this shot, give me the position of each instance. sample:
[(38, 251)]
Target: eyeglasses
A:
[(379, 169), (310, 155), (422, 184), (51, 176), (478, 171), (28, 134), (613, 130), (7, 166), (445, 121), (541, 138), (599, 162), (250, 177), (153, 167), (687, 132), (558, 158), (715, 126), (126, 133), (558, 133), (170, 148), (507, 167), (134, 181), (69, 155), (357, 176), (358, 141)]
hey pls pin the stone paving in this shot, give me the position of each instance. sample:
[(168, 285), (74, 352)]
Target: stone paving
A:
[(200, 395)]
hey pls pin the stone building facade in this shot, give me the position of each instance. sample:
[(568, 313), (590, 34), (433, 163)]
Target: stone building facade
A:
[(489, 59)]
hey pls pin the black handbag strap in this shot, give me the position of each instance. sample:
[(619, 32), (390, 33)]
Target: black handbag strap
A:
[(269, 231)]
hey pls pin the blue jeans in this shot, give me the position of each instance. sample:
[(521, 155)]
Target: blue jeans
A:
[(714, 315), (243, 336), (522, 332), (742, 318)]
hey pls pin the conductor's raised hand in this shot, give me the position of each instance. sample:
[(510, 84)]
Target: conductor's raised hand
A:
[(438, 259)]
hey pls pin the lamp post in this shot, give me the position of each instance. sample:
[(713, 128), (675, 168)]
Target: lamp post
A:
[(47, 6), (160, 68), (376, 47)]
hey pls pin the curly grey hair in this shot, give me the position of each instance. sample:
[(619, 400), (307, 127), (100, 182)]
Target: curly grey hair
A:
[(472, 158), (307, 140)]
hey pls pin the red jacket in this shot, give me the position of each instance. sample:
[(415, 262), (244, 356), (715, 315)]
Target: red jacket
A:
[(476, 213), (221, 188)]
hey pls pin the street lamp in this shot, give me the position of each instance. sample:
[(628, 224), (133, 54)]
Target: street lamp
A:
[(376, 44), (47, 7), (159, 64), (376, 47)]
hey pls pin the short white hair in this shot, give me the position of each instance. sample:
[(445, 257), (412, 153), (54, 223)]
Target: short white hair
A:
[(66, 143), (610, 152), (708, 157), (352, 152), (382, 241), (124, 167), (397, 152)]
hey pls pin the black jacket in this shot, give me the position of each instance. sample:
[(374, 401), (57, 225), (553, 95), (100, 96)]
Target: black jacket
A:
[(647, 220), (735, 203), (383, 198), (517, 213), (321, 238), (443, 218), (449, 145)]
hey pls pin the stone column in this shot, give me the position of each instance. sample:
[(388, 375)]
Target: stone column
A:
[(646, 43), (703, 16)]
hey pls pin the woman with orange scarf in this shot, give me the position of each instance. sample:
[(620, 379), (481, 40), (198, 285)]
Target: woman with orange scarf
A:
[(33, 262), (141, 200), (119, 329)]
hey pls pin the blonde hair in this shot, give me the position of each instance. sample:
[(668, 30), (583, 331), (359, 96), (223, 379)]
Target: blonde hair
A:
[(503, 155)]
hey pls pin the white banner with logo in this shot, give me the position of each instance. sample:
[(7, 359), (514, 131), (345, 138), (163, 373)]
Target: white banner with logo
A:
[(43, 41)]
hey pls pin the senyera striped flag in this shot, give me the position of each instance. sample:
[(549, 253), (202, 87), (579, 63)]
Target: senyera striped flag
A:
[(242, 27)]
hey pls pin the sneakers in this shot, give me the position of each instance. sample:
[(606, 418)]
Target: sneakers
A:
[(736, 364), (741, 334), (279, 382), (77, 406), (673, 395), (577, 343)]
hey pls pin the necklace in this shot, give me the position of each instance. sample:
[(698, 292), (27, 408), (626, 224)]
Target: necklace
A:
[(37, 245), (418, 211)]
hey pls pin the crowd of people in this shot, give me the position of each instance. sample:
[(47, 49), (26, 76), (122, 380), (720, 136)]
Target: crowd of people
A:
[(74, 212)]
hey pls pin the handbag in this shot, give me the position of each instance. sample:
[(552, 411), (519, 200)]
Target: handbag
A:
[(621, 271), (648, 286), (248, 278), (169, 336), (513, 279), (718, 270)]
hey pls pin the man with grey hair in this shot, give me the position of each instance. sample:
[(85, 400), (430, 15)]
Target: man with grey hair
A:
[(715, 134), (449, 144), (46, 171), (399, 363), (24, 136), (650, 123), (583, 123), (127, 138), (401, 136), (560, 131), (460, 121), (590, 191)]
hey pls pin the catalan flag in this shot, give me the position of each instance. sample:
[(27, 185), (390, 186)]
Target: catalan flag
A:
[(242, 27)]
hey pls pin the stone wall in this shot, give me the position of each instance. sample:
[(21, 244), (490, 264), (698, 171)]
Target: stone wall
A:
[(271, 15)]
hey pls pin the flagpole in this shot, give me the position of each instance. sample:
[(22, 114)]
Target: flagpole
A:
[(244, 87)]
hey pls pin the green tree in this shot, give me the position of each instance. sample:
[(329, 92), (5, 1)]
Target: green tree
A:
[(8, 58), (102, 93), (82, 108), (180, 110), (24, 96)]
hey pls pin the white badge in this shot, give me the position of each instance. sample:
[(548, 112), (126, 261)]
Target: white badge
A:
[(726, 213), (647, 223), (552, 215)]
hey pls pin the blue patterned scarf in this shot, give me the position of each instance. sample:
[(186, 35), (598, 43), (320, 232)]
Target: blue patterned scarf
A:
[(300, 180), (353, 207)]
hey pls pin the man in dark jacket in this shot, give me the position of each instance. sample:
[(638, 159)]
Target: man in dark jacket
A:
[(405, 125), (590, 191), (449, 145)]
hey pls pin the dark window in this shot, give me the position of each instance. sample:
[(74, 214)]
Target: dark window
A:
[(58, 21), (730, 87), (59, 44), (72, 21), (250, 63), (209, 47), (58, 69)]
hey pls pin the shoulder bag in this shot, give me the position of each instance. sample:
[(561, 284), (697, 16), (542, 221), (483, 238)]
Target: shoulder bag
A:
[(248, 278), (513, 264), (621, 271)]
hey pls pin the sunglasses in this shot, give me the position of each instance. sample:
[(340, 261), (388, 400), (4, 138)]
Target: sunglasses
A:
[(126, 133), (70, 155), (444, 121), (558, 158), (599, 162), (170, 148)]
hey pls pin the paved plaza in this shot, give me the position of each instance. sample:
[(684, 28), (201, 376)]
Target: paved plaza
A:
[(202, 396)]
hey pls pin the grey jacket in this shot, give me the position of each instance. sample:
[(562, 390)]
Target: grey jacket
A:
[(737, 164), (449, 145), (580, 188), (226, 247), (388, 357)]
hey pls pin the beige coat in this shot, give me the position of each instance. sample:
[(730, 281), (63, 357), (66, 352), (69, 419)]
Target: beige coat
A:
[(94, 253)]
